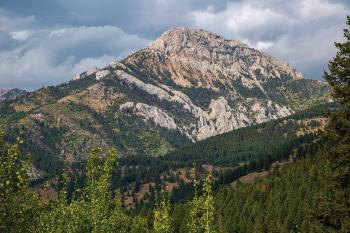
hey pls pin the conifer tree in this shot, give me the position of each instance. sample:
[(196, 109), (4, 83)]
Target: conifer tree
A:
[(333, 203)]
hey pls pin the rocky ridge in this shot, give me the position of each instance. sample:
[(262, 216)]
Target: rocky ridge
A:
[(184, 52)]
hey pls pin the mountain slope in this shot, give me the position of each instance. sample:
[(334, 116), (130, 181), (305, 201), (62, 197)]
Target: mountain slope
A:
[(186, 86)]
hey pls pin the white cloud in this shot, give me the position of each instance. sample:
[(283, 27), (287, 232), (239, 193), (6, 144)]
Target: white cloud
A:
[(239, 20), (20, 35), (263, 45), (308, 52), (314, 9), (249, 18)]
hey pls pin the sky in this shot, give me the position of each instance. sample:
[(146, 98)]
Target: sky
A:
[(46, 42)]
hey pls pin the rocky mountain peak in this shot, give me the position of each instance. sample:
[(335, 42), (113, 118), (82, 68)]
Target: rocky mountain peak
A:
[(179, 38), (198, 58)]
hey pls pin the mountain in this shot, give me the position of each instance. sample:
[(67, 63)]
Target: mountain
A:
[(186, 86), (226, 84), (11, 94)]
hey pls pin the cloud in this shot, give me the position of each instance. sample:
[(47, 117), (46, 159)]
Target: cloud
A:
[(309, 52), (301, 33), (147, 18), (315, 9), (20, 35), (54, 55), (263, 45), (46, 42)]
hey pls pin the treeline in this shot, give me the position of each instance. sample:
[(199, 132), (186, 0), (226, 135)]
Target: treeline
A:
[(282, 202)]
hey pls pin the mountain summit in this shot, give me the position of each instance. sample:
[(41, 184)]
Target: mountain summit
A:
[(186, 86), (214, 60)]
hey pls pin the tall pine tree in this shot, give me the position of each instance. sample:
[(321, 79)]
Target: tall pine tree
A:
[(332, 210)]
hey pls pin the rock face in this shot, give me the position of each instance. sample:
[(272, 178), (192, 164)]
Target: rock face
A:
[(186, 86), (151, 113), (215, 60)]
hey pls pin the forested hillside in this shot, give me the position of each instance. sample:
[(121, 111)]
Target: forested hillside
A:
[(281, 202), (228, 156)]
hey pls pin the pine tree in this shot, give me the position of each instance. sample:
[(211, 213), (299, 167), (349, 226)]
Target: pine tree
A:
[(333, 203)]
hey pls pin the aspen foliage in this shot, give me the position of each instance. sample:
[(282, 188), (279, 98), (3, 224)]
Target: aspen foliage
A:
[(18, 205), (162, 217), (202, 209), (95, 210)]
